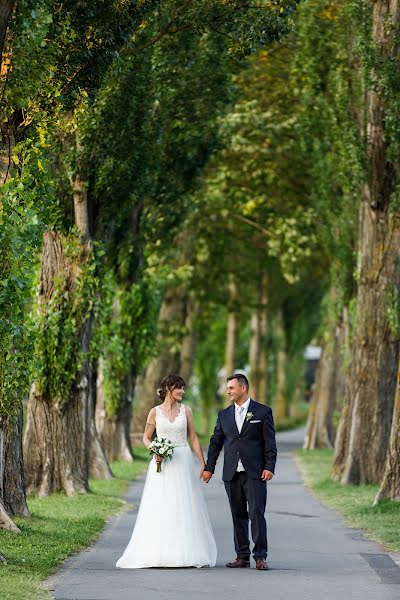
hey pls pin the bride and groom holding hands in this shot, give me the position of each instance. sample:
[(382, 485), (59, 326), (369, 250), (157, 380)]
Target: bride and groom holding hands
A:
[(172, 527)]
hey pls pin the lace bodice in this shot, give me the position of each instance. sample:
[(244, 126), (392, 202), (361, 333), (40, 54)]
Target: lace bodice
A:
[(175, 431)]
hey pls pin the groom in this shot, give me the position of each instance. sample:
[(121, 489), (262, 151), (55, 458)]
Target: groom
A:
[(246, 431)]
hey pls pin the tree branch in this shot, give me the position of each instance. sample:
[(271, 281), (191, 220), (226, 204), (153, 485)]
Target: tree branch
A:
[(170, 30), (252, 223)]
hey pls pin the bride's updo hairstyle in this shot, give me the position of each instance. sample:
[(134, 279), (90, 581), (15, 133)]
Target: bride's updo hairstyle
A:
[(169, 383)]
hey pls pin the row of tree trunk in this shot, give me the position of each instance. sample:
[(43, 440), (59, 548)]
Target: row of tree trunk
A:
[(329, 386), (177, 310), (61, 445), (367, 441), (259, 346), (12, 486)]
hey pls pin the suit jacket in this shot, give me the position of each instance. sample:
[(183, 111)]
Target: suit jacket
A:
[(254, 445)]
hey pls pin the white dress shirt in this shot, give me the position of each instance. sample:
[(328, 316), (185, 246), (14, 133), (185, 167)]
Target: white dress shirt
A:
[(239, 418)]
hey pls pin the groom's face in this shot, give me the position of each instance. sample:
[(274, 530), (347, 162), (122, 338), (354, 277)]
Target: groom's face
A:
[(235, 391)]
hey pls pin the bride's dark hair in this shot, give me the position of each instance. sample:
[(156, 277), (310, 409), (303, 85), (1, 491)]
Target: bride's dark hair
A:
[(169, 383)]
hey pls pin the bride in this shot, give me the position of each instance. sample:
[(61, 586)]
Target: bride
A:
[(172, 527)]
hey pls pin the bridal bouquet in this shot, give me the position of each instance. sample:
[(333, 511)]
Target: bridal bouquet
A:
[(161, 447)]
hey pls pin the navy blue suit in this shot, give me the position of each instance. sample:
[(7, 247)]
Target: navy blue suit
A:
[(255, 447)]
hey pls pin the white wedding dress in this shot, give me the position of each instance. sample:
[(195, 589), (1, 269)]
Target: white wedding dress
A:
[(172, 527)]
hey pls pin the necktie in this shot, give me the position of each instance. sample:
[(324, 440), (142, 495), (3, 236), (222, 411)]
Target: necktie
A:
[(241, 414)]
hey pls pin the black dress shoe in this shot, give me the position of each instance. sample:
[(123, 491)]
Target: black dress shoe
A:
[(239, 563), (261, 564)]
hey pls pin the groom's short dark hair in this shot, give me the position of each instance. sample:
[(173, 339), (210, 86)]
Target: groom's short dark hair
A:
[(242, 379)]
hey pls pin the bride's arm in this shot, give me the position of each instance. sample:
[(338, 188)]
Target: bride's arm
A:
[(192, 437), (149, 428)]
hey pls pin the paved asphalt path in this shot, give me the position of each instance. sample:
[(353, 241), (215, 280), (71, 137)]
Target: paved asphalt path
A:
[(312, 554)]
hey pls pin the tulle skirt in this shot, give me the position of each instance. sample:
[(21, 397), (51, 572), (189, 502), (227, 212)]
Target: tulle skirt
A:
[(172, 527)]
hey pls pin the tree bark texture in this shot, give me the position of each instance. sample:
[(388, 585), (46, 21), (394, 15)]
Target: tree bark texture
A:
[(390, 486), (12, 484), (99, 467), (372, 374), (6, 11), (6, 522), (229, 362), (61, 441), (254, 352), (56, 443), (12, 488), (263, 353), (319, 425), (60, 435), (342, 435), (258, 352), (328, 390), (56, 437), (281, 408), (12, 129), (114, 432), (230, 344), (188, 345)]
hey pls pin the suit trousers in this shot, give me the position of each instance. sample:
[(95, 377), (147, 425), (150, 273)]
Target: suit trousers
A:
[(248, 499)]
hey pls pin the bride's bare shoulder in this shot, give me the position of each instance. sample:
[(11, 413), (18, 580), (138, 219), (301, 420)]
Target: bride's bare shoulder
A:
[(152, 415)]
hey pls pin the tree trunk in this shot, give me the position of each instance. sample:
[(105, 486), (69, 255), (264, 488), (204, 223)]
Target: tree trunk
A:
[(11, 129), (375, 352), (114, 431), (230, 344), (263, 353), (341, 352), (329, 386), (113, 416), (188, 345), (60, 436), (390, 486), (258, 354), (281, 403), (319, 427), (343, 430), (6, 10), (254, 353), (372, 373), (12, 485), (56, 442), (99, 467), (12, 488), (343, 435), (312, 412), (6, 522), (371, 377), (171, 317), (229, 362)]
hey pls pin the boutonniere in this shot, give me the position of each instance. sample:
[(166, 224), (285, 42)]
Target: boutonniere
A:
[(249, 416)]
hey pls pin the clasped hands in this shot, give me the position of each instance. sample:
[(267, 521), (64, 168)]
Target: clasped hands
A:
[(206, 475)]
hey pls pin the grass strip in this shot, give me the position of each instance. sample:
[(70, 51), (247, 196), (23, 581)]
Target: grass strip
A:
[(355, 502), (60, 526)]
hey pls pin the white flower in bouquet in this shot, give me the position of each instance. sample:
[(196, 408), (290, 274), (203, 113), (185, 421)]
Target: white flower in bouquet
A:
[(161, 447)]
